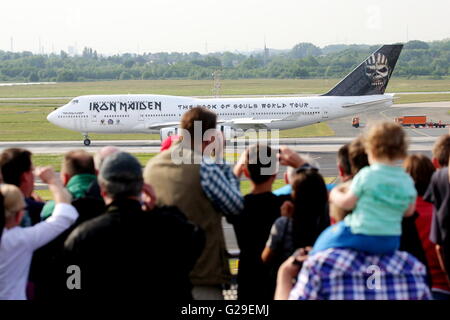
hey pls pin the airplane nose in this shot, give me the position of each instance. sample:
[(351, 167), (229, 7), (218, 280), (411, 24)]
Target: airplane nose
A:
[(52, 117)]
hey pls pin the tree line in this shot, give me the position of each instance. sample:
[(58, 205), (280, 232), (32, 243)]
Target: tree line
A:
[(304, 60)]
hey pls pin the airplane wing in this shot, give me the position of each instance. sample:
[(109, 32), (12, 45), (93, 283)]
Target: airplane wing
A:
[(366, 104), (161, 125), (247, 123), (176, 124)]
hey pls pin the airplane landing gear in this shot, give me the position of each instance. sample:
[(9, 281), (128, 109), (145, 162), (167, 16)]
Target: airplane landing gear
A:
[(86, 141)]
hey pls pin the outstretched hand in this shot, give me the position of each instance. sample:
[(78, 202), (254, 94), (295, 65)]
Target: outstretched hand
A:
[(289, 157), (288, 271), (47, 175)]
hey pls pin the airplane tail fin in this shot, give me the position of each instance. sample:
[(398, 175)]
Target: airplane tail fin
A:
[(371, 76)]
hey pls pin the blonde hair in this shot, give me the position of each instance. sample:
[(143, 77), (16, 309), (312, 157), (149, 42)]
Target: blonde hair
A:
[(386, 140), (12, 199)]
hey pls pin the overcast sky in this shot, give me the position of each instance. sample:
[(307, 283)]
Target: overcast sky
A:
[(212, 25)]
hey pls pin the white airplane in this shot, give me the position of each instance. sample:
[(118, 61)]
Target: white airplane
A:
[(362, 90)]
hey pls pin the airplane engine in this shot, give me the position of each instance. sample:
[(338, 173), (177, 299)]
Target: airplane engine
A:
[(164, 133), (230, 133)]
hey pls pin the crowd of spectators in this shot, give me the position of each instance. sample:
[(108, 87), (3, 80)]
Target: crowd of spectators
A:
[(114, 230)]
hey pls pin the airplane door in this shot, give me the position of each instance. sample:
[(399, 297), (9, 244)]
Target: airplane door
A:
[(84, 123), (93, 118), (141, 117), (324, 112)]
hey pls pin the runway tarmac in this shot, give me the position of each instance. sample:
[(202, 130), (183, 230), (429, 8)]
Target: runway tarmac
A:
[(322, 144), (434, 111)]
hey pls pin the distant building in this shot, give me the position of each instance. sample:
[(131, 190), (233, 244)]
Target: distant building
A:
[(72, 51), (265, 54)]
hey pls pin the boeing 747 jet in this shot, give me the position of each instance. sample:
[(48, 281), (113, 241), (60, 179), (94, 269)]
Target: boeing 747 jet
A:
[(360, 91)]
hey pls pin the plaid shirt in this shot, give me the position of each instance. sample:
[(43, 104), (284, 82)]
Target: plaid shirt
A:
[(221, 187), (343, 274)]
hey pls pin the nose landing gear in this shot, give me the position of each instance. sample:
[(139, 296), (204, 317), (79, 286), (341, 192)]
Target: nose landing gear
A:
[(86, 141)]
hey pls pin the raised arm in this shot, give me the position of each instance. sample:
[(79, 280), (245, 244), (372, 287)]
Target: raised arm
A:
[(276, 236), (222, 188), (287, 272), (410, 210), (289, 157), (267, 255), (63, 217), (345, 200)]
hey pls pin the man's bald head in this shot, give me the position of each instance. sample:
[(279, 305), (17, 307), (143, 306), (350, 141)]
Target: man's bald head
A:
[(77, 162), (102, 154)]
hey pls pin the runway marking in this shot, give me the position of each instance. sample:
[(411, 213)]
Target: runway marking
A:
[(422, 133), (383, 115)]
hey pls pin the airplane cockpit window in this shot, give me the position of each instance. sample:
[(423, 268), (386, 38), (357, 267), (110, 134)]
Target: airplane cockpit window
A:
[(74, 101)]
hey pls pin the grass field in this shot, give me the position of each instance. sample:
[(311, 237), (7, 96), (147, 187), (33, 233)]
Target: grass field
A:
[(245, 187), (204, 87), (55, 160), (415, 98), (315, 130), (170, 87)]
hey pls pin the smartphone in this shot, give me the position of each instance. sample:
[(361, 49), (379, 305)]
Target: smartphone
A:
[(297, 254), (297, 263)]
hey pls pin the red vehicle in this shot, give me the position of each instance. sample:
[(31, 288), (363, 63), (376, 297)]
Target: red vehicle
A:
[(419, 121), (416, 121)]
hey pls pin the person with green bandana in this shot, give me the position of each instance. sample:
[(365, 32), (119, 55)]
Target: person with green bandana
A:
[(48, 271), (77, 174)]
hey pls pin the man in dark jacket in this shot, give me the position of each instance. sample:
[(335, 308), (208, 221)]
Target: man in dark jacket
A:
[(17, 169), (48, 272), (128, 253)]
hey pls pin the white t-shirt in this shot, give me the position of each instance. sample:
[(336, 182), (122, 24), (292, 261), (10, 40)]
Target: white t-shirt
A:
[(18, 244)]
